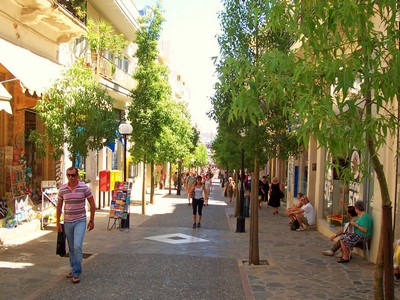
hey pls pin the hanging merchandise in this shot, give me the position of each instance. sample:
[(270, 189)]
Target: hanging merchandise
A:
[(49, 202)]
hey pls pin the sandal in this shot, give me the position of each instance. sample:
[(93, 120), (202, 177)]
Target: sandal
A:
[(76, 279), (342, 260), (69, 275)]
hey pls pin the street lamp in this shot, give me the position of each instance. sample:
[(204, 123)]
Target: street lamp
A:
[(240, 221), (125, 129), (178, 189)]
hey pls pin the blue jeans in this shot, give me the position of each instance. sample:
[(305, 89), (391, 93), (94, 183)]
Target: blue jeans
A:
[(75, 232)]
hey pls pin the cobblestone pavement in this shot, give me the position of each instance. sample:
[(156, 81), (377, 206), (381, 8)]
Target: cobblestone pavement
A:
[(162, 257)]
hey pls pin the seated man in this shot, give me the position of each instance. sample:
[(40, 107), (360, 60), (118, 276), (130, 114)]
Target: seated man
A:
[(305, 214), (362, 232), (352, 215), (297, 205)]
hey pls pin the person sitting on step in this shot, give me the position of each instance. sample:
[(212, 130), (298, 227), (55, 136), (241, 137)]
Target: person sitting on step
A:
[(305, 214), (352, 216), (362, 232)]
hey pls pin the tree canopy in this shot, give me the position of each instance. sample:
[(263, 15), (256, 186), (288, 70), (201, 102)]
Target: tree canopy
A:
[(77, 112)]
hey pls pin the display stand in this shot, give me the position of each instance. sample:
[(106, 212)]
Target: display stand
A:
[(120, 206), (21, 203), (49, 199)]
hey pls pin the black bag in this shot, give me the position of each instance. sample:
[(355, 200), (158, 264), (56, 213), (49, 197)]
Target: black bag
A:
[(294, 225), (61, 243)]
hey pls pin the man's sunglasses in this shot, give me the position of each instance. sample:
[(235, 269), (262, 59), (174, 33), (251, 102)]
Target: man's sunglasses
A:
[(71, 175)]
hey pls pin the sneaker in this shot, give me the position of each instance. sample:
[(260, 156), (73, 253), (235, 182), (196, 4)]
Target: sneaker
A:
[(198, 224), (328, 253), (340, 255), (300, 229), (194, 225)]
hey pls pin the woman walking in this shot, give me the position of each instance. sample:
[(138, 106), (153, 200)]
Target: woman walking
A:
[(197, 191), (208, 185), (275, 196), (229, 189)]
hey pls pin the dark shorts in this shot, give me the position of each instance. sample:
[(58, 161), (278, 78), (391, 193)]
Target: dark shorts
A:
[(197, 204)]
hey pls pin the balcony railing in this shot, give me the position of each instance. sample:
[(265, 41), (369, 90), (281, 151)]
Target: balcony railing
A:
[(78, 8), (114, 73)]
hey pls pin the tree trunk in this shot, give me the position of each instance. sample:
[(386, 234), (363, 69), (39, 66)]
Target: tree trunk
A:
[(254, 252), (152, 182), (170, 179), (144, 186), (386, 233)]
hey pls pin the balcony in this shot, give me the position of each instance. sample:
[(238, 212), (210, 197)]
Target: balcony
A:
[(111, 71), (49, 19), (115, 77)]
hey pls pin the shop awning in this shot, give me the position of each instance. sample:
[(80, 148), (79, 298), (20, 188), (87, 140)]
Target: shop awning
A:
[(35, 73), (5, 98)]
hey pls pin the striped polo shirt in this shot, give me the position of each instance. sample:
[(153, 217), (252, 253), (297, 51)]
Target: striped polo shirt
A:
[(74, 201)]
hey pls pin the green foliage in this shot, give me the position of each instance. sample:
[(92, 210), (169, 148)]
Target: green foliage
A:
[(77, 112), (38, 141), (101, 38), (200, 156), (250, 99), (161, 127), (176, 133), (346, 74)]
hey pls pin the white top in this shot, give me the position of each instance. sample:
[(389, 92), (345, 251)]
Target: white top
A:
[(207, 184), (198, 192), (309, 213)]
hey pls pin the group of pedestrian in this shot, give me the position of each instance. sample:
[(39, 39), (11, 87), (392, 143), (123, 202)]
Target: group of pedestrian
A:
[(269, 193)]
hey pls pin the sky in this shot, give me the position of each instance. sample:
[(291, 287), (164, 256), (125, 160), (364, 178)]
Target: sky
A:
[(191, 27)]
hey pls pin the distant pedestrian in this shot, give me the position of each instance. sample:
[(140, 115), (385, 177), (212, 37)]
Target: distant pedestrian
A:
[(162, 179), (263, 189), (275, 195), (72, 196), (175, 180), (208, 186), (190, 181), (229, 189), (199, 192)]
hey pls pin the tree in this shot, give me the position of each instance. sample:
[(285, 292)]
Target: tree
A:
[(249, 95), (101, 39), (77, 112), (176, 135), (344, 81), (200, 156), (146, 110)]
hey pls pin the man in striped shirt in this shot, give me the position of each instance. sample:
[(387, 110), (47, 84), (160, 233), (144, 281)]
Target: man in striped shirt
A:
[(72, 196)]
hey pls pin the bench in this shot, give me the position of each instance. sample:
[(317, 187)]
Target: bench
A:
[(365, 246)]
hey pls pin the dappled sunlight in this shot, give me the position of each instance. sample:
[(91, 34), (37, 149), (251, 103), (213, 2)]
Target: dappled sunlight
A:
[(217, 202), (14, 265)]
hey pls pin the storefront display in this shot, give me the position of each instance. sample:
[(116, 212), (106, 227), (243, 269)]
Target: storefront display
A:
[(49, 202), (338, 193), (119, 209)]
